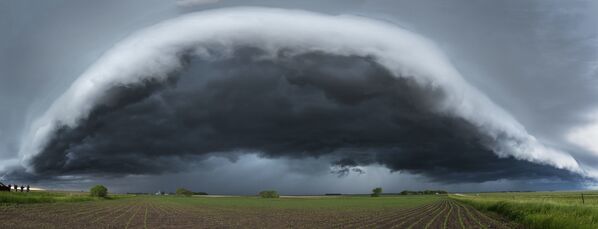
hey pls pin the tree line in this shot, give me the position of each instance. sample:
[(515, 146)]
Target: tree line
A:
[(424, 192)]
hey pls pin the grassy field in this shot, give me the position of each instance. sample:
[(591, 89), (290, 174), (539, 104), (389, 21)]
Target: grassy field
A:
[(540, 209), (8, 198), (251, 212)]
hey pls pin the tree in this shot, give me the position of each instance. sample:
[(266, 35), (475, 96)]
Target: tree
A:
[(98, 191), (183, 192), (269, 194), (376, 192)]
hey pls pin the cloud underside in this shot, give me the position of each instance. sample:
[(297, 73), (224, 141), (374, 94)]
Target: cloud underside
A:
[(349, 108)]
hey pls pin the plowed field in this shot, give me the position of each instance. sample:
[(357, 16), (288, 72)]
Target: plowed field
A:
[(245, 212)]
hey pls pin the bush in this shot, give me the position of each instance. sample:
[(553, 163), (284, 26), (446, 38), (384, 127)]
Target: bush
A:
[(376, 192), (183, 192), (99, 191), (269, 194)]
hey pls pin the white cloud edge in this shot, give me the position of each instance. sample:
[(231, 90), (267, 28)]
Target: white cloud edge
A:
[(586, 136)]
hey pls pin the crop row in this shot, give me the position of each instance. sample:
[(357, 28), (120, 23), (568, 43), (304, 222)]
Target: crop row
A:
[(156, 212)]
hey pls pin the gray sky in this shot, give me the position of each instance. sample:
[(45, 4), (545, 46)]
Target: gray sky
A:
[(536, 60)]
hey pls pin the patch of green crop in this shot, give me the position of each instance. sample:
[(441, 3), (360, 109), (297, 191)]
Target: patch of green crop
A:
[(540, 209), (7, 198)]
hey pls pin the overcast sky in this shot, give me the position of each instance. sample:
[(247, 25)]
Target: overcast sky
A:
[(305, 102)]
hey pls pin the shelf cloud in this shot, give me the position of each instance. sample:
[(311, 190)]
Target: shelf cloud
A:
[(283, 83)]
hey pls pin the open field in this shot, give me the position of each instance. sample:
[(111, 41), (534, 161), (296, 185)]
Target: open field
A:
[(540, 209), (42, 197), (251, 212), (47, 197)]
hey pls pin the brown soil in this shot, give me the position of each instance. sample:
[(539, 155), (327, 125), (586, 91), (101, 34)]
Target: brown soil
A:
[(153, 213)]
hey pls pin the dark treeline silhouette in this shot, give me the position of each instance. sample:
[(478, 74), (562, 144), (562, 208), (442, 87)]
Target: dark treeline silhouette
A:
[(425, 192), (4, 188), (9, 188)]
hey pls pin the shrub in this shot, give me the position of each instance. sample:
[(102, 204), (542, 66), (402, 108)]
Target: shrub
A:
[(183, 192), (99, 191), (376, 192), (269, 194)]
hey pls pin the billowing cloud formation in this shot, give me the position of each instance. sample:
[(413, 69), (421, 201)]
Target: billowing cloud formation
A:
[(587, 135), (283, 84)]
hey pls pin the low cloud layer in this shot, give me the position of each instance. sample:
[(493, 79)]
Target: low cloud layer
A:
[(267, 81)]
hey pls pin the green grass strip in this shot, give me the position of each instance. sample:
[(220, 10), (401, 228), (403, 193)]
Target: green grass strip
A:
[(535, 213)]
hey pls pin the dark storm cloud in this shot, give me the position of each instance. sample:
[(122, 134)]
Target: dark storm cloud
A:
[(535, 59), (310, 105), (345, 166)]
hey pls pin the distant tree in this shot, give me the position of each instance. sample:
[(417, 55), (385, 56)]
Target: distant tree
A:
[(425, 192), (407, 192), (183, 192), (269, 194), (200, 193), (98, 191), (333, 194), (376, 192)]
